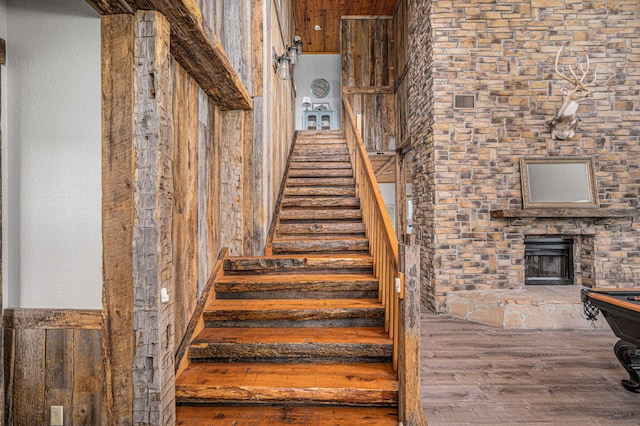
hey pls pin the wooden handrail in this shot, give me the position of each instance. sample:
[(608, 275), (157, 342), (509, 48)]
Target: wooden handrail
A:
[(383, 243), (402, 308)]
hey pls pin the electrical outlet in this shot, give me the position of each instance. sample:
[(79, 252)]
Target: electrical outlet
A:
[(57, 415)]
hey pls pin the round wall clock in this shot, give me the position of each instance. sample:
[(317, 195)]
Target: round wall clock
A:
[(320, 87)]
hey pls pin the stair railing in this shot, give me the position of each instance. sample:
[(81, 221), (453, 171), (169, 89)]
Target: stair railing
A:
[(383, 243)]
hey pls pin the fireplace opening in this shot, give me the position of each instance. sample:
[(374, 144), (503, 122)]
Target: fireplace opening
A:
[(548, 261)]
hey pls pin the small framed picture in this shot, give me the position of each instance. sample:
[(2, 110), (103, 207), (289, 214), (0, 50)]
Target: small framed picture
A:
[(322, 106)]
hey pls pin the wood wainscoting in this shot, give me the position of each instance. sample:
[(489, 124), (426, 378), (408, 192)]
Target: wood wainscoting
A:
[(53, 357)]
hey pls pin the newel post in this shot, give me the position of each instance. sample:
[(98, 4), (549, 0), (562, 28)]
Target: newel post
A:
[(410, 408)]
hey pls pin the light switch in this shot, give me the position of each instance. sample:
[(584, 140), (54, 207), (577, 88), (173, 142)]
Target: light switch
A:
[(57, 415)]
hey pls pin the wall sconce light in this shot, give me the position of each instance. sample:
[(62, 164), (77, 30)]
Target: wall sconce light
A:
[(295, 49), (306, 102), (282, 64)]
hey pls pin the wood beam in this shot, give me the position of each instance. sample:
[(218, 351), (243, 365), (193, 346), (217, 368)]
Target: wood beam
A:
[(198, 51), (3, 51), (386, 166), (111, 7), (117, 215)]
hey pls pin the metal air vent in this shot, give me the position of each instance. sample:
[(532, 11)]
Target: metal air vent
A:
[(464, 101)]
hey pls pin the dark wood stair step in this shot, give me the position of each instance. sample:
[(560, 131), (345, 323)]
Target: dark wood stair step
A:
[(321, 181), (350, 228), (307, 264), (320, 173), (326, 286), (353, 202), (303, 345), (292, 384), (297, 158), (320, 244), (326, 150), (281, 415), (319, 134), (320, 214), (294, 313), (310, 191), (316, 165)]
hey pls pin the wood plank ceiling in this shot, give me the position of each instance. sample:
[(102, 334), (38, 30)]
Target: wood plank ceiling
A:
[(326, 14)]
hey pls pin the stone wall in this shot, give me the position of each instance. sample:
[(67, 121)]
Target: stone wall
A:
[(466, 162)]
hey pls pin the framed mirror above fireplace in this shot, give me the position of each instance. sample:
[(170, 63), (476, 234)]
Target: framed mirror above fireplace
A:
[(558, 182)]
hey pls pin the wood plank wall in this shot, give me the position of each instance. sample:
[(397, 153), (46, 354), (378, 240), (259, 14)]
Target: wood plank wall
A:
[(401, 36), (182, 180), (368, 77), (53, 357), (2, 62)]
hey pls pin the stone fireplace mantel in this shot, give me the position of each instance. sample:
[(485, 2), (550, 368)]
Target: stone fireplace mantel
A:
[(597, 215)]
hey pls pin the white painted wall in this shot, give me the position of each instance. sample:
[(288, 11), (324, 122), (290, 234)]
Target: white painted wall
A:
[(3, 121), (52, 172), (310, 67)]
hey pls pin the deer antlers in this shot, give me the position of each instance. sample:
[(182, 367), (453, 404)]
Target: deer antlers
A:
[(574, 81)]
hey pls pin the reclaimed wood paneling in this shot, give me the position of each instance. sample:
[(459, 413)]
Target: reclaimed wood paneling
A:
[(402, 115), (232, 22), (378, 118), (400, 40), (154, 202), (400, 30), (366, 59), (185, 196), (54, 357), (196, 48), (117, 214)]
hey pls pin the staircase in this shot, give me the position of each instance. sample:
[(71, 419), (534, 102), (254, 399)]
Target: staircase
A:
[(297, 337)]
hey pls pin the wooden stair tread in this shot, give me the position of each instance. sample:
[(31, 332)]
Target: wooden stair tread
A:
[(301, 285), (302, 201), (289, 305), (320, 181), (319, 191), (321, 228), (273, 377), (299, 264), (353, 335), (317, 238), (316, 165), (285, 416), (320, 214), (314, 244), (299, 279)]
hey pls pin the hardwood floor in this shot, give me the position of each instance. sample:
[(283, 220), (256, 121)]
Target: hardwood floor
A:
[(477, 374)]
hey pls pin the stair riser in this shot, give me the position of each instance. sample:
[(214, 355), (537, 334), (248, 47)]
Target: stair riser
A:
[(302, 315), (320, 158), (321, 229), (301, 265), (310, 191), (321, 202), (296, 294), (323, 353), (312, 246), (319, 215), (324, 152), (319, 165), (337, 322), (292, 396), (320, 181)]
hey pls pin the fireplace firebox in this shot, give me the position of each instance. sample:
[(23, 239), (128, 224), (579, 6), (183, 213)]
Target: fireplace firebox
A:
[(548, 261)]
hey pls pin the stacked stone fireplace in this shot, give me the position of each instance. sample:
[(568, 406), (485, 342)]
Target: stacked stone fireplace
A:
[(466, 161)]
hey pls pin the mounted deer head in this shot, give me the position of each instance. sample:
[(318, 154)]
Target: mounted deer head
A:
[(565, 122)]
